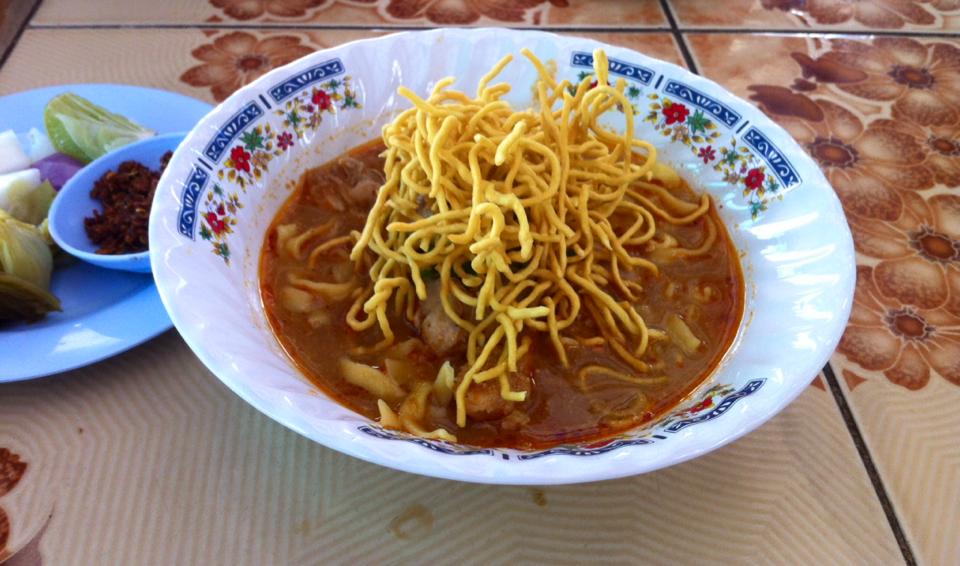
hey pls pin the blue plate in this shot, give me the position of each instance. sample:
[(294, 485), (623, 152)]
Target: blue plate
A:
[(105, 311)]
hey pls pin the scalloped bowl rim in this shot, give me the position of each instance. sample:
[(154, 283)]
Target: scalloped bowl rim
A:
[(552, 468)]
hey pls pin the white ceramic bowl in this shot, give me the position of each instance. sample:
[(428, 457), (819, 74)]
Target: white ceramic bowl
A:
[(231, 174)]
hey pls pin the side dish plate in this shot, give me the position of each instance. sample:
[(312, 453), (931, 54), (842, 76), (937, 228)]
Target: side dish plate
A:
[(105, 312)]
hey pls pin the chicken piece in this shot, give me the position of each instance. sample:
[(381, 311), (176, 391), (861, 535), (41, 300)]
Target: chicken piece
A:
[(361, 183), (440, 333), (484, 401), (516, 420), (348, 184), (363, 192)]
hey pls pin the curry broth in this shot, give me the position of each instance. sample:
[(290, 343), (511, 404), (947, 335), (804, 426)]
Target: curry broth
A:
[(559, 410)]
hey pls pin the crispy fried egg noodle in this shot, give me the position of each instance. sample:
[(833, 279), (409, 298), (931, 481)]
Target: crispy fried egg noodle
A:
[(530, 218)]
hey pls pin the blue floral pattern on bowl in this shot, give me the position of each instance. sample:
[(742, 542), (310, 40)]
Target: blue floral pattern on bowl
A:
[(253, 137), (719, 399), (250, 141), (715, 133), (753, 162)]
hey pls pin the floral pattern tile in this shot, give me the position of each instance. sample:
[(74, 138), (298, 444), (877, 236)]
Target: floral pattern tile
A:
[(149, 448), (881, 117), (211, 64), (375, 13), (206, 64), (916, 16), (230, 60), (12, 469)]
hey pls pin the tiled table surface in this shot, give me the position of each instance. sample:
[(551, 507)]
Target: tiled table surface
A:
[(146, 458)]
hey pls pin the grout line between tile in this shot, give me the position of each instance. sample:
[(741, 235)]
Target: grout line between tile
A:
[(356, 27), (869, 465), (16, 37), (839, 399), (828, 33), (674, 27), (678, 36), (668, 13), (831, 378)]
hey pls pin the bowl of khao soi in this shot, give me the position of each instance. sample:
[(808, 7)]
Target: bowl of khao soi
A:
[(521, 258)]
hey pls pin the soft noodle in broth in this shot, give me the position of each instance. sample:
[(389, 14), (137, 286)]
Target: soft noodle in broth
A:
[(496, 236)]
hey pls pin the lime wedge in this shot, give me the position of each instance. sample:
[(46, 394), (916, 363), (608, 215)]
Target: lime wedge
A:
[(85, 131)]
